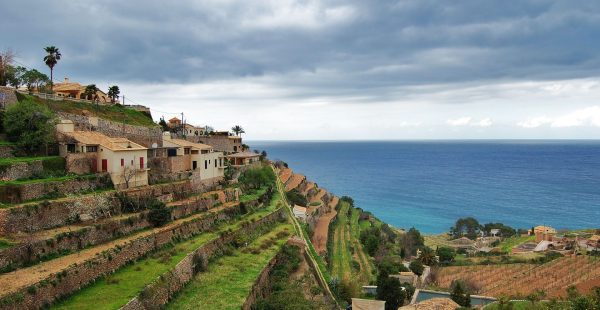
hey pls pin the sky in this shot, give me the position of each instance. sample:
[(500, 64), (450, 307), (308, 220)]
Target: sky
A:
[(333, 70)]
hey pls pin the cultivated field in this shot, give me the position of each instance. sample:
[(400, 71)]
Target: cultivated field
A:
[(522, 279)]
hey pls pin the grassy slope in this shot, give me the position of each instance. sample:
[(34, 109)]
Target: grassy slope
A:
[(11, 160), (105, 294), (366, 266), (46, 180), (507, 244), (116, 113), (341, 257), (228, 280)]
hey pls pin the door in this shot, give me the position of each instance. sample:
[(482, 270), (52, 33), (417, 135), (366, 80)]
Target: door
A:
[(142, 163), (194, 165), (104, 165)]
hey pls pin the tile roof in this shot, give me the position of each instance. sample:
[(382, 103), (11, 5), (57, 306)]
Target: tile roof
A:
[(186, 143), (115, 144), (244, 154)]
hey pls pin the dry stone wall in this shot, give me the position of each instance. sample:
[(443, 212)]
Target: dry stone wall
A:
[(21, 192), (50, 214), (7, 97), (261, 286), (31, 251), (77, 276), (20, 170), (160, 292), (145, 136), (6, 151)]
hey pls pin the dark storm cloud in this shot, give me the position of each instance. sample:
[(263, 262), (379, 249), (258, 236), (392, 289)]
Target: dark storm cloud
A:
[(329, 48)]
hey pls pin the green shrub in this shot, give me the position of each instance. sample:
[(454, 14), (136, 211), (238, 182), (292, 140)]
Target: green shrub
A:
[(29, 125), (159, 214)]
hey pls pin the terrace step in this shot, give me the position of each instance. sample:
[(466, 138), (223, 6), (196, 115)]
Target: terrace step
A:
[(22, 278)]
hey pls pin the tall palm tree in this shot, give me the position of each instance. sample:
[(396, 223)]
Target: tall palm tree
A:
[(51, 60), (90, 92), (113, 93), (237, 129)]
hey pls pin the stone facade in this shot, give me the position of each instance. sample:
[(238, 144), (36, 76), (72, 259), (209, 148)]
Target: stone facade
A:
[(77, 276), (80, 163), (221, 143), (18, 193), (146, 136), (20, 170), (7, 97)]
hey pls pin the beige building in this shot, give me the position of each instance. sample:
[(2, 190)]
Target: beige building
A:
[(367, 304), (222, 141), (123, 159), (544, 233), (245, 158), (198, 157), (191, 130), (75, 90)]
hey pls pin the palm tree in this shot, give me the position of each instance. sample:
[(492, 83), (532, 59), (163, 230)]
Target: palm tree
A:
[(51, 59), (113, 93), (237, 129), (90, 92)]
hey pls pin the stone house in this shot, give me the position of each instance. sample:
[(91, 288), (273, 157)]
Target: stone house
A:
[(197, 157), (242, 159), (90, 151), (543, 233)]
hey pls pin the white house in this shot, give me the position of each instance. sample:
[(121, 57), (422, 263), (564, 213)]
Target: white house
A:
[(123, 159), (300, 212)]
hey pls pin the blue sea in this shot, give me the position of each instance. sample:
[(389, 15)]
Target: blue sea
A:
[(430, 184)]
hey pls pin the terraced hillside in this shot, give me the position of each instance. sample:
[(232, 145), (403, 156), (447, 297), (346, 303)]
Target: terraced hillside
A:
[(522, 279)]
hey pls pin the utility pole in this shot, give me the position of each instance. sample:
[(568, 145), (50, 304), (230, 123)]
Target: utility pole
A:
[(182, 125)]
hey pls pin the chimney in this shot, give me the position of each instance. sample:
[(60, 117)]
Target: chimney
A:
[(66, 79)]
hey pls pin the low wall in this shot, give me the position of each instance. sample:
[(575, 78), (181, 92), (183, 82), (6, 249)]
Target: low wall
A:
[(33, 251), (161, 291), (261, 286), (50, 214), (76, 276), (145, 136), (19, 193), (20, 170), (6, 151), (7, 97)]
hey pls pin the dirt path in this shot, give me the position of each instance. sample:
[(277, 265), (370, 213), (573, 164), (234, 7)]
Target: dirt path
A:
[(13, 281), (321, 233)]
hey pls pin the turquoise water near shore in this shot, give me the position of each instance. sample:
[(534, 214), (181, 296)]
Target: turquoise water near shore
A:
[(429, 184)]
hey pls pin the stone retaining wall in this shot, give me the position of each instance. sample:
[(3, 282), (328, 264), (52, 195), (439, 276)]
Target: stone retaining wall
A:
[(6, 151), (33, 251), (145, 136), (18, 193), (7, 97), (261, 286), (76, 276), (49, 214), (20, 170), (160, 292), (80, 163)]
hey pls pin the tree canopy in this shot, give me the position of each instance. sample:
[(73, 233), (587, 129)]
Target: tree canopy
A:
[(468, 227), (29, 125)]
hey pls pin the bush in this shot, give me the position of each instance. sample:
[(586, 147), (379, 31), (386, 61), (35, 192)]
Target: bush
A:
[(459, 293), (256, 178), (159, 214), (54, 164), (296, 198), (416, 267), (29, 125)]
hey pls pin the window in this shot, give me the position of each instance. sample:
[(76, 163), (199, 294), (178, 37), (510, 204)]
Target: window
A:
[(141, 162), (122, 162), (186, 151), (206, 164), (215, 163), (194, 165), (220, 162)]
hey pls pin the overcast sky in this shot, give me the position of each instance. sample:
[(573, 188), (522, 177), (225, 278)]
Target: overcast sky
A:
[(415, 69)]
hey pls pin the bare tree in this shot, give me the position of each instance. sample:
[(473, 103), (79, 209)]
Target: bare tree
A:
[(129, 173), (7, 58)]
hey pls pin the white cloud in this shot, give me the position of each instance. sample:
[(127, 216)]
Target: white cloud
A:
[(535, 122), (585, 117), (469, 121)]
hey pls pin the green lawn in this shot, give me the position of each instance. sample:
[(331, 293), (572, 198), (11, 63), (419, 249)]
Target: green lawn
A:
[(507, 244), (366, 272), (5, 244), (114, 112), (254, 195), (4, 142), (116, 290), (229, 279)]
